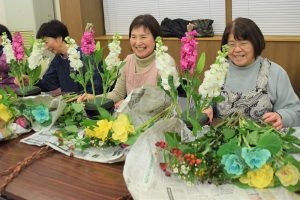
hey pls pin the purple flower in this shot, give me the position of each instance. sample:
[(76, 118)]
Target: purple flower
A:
[(17, 45), (88, 43)]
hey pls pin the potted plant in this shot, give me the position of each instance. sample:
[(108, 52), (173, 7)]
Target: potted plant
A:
[(92, 58)]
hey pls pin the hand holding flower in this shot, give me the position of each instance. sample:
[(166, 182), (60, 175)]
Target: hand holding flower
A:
[(273, 118)]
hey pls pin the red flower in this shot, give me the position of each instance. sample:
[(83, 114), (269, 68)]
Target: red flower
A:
[(167, 173), (161, 144), (163, 166)]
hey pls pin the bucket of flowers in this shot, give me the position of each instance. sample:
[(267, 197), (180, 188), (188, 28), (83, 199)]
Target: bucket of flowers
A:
[(25, 63), (238, 150)]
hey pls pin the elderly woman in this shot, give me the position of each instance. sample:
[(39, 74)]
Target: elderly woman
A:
[(140, 69), (255, 86)]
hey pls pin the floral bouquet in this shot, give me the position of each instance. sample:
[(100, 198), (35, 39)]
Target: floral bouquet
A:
[(20, 66), (203, 95), (108, 131), (19, 115), (238, 151)]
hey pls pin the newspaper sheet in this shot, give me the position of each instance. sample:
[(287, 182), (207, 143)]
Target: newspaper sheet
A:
[(103, 155), (145, 180)]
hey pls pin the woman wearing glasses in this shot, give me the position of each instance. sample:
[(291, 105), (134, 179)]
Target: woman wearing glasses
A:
[(255, 86)]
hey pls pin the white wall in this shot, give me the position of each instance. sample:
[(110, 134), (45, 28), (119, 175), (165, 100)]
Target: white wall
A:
[(27, 15), (2, 13), (57, 9)]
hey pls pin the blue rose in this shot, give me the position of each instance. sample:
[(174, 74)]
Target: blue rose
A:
[(256, 157), (233, 164), (41, 114)]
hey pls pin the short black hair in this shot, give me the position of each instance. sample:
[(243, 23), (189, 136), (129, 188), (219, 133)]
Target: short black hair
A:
[(4, 29), (245, 29), (54, 29), (147, 21)]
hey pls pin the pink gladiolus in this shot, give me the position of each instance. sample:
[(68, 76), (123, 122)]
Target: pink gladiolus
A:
[(188, 52), (17, 45), (88, 43)]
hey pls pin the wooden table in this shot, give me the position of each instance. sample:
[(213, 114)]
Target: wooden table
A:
[(57, 176)]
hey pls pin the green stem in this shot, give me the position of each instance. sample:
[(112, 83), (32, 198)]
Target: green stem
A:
[(92, 76), (83, 81)]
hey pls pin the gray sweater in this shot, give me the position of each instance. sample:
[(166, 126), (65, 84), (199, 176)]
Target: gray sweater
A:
[(280, 90)]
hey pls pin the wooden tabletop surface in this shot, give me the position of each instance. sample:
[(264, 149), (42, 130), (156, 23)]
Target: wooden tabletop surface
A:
[(59, 177)]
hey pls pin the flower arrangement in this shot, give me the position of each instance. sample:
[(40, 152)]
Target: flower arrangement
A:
[(91, 57), (21, 112), (203, 95), (20, 66), (237, 150), (97, 133)]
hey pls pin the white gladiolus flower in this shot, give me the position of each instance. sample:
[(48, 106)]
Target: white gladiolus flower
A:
[(113, 60), (73, 54), (36, 58), (166, 66), (7, 49), (214, 78)]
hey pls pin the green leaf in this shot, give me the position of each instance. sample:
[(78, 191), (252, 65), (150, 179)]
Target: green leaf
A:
[(98, 53), (228, 133), (132, 139), (172, 139), (270, 141), (71, 128), (252, 137), (201, 63), (228, 148), (104, 114), (89, 122), (78, 107)]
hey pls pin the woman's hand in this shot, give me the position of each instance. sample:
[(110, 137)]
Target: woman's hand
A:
[(117, 105), (25, 80), (85, 97), (210, 113), (274, 119)]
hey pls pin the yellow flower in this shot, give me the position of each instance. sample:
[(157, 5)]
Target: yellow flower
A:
[(89, 132), (101, 131), (0, 96), (5, 115), (122, 128), (288, 175), (259, 178)]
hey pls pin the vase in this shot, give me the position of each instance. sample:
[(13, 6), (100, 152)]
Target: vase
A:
[(203, 119), (92, 110), (28, 91)]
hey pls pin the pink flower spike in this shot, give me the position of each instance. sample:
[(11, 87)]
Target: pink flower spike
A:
[(88, 43), (17, 45), (188, 52)]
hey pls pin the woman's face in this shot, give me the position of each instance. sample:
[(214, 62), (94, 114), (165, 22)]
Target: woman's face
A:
[(241, 52), (142, 42), (54, 44)]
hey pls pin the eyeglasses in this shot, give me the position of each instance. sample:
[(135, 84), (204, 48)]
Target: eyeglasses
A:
[(241, 44)]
